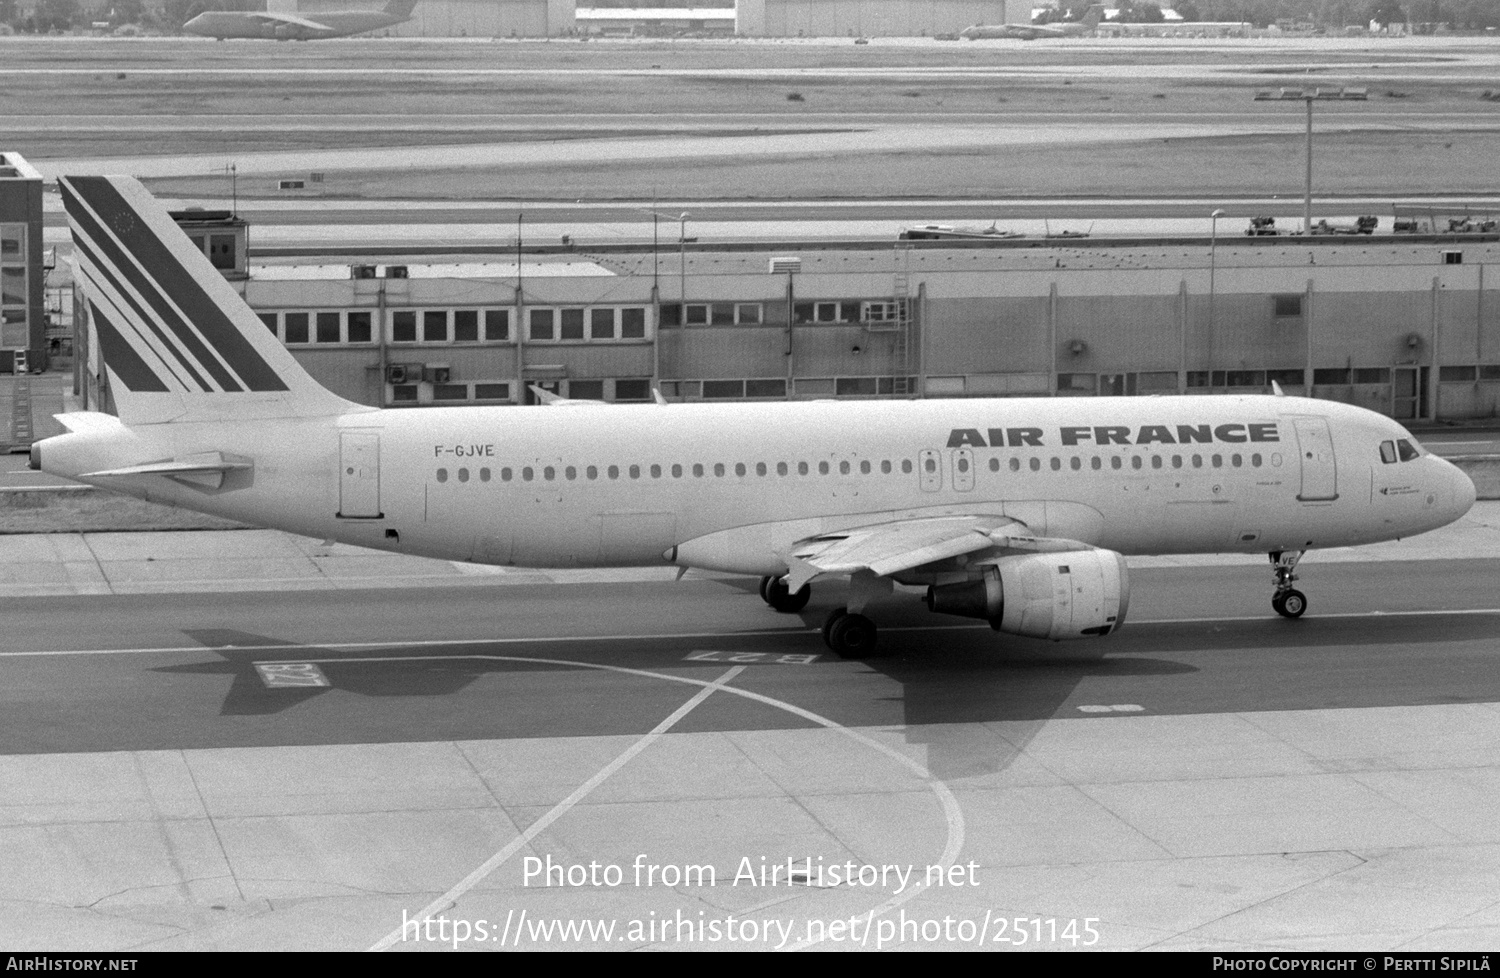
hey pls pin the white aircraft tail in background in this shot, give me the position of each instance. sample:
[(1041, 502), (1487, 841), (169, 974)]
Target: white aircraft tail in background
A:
[(1015, 511)]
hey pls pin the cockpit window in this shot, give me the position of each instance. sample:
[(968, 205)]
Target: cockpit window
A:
[(1388, 452), (1407, 449)]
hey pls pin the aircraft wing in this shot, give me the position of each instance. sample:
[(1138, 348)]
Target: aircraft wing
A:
[(889, 548), (289, 19)]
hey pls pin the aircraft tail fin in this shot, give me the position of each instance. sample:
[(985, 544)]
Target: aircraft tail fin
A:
[(175, 341), (1094, 15), (400, 8)]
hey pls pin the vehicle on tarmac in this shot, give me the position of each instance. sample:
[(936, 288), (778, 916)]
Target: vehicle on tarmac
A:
[(1019, 512)]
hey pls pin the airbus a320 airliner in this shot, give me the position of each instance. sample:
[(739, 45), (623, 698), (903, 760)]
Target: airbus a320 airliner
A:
[(1017, 512)]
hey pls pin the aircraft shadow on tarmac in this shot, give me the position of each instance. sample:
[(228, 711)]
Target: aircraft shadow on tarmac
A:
[(944, 674)]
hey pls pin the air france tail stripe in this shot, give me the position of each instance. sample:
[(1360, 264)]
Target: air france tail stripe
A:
[(119, 263), (158, 361), (98, 275), (121, 358), (183, 288)]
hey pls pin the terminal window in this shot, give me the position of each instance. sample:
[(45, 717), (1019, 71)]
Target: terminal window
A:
[(633, 389), (1287, 306), (359, 327)]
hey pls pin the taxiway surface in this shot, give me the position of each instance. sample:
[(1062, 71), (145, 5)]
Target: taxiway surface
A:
[(249, 758)]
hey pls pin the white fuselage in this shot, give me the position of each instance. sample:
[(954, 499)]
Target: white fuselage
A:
[(731, 486)]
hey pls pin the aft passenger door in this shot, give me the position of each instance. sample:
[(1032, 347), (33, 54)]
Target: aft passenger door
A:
[(359, 475), (1319, 465)]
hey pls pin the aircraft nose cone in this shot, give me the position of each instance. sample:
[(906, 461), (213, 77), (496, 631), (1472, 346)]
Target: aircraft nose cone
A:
[(1464, 493)]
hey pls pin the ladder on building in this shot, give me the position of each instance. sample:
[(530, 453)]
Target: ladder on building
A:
[(901, 301)]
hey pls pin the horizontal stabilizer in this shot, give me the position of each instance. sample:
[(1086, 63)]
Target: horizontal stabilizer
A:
[(207, 469)]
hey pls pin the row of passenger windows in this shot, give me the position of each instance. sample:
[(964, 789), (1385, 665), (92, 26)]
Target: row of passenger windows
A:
[(962, 463), (1076, 463), (345, 326)]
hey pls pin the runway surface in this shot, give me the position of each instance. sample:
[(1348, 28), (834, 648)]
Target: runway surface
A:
[(242, 760)]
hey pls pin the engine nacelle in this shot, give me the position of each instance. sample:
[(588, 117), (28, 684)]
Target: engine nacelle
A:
[(1078, 594)]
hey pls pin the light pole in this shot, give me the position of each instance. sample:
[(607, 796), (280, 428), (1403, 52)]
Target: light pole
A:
[(1310, 95), (1213, 248), (682, 261)]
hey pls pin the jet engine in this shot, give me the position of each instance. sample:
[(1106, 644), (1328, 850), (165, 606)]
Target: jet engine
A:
[(1077, 594)]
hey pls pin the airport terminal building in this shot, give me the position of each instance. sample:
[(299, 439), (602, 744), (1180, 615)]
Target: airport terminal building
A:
[(747, 18), (1406, 326)]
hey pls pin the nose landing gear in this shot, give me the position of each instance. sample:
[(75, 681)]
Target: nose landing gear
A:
[(1288, 601)]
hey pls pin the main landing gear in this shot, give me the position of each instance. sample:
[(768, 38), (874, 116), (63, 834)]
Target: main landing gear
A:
[(1288, 601), (849, 634), (774, 591)]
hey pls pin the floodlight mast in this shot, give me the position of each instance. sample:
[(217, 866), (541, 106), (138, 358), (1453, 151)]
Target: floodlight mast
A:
[(1310, 95)]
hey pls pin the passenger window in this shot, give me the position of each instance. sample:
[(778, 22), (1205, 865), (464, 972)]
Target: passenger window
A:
[(614, 471), (1407, 450), (1015, 465), (635, 471), (719, 469), (1156, 461), (930, 465), (442, 475), (463, 475), (1036, 464), (676, 471), (843, 468), (592, 472), (697, 470), (1075, 463), (1056, 463), (1176, 461), (656, 471), (1135, 461), (1197, 461), (781, 468), (760, 468), (822, 468), (906, 466), (994, 465), (549, 473), (1115, 463), (505, 475), (1236, 460), (1218, 461), (864, 468), (484, 475), (1255, 460), (571, 473), (802, 468), (1096, 463), (527, 475), (885, 467)]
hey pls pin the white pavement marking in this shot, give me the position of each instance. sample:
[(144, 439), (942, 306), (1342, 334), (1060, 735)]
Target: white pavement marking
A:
[(555, 639), (952, 813), (558, 811)]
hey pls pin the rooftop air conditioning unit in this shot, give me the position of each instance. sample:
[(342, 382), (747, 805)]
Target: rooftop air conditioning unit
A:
[(786, 265)]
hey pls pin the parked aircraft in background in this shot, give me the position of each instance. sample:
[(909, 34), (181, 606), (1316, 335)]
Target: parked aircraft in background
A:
[(298, 27), (1033, 32), (1016, 511)]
